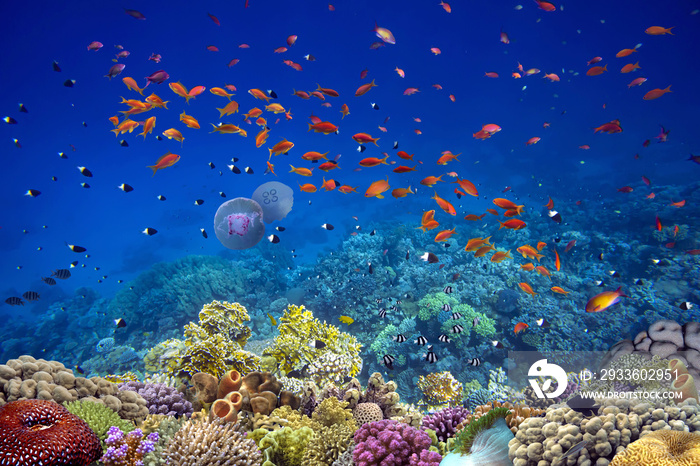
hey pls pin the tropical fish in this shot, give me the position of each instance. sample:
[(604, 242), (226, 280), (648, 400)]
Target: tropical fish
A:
[(604, 300), (346, 319), (167, 160)]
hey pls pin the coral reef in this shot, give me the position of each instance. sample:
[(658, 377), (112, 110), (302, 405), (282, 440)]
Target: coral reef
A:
[(440, 388), (390, 442), (99, 417), (661, 448), (29, 378), (542, 441), (213, 345), (160, 398), (204, 442), (444, 422), (298, 328), (127, 449), (44, 432)]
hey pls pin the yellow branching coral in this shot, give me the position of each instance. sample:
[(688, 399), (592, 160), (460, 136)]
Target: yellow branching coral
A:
[(440, 388), (298, 327), (227, 318), (213, 345), (662, 448)]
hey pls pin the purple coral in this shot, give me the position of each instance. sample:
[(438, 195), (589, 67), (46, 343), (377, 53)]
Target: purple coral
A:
[(392, 443), (161, 398), (571, 388), (127, 449), (444, 422)]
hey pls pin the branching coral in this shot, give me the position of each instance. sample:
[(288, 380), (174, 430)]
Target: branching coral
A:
[(213, 345), (203, 442), (127, 449), (297, 328), (99, 417)]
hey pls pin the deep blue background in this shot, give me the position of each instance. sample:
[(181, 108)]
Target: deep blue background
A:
[(109, 222)]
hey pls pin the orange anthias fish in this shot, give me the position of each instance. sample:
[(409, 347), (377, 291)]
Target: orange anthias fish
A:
[(474, 243), (656, 93), (131, 84), (468, 187), (528, 251), (658, 30), (404, 169), (604, 300), (519, 327), (444, 205), (364, 88), (500, 256), (168, 160), (229, 109), (281, 147), (347, 189), (541, 245), (474, 217), (261, 137), (307, 188), (324, 127), (363, 138), (311, 156), (258, 94), (220, 92), (189, 120), (172, 133), (542, 270), (430, 181), (557, 261), (377, 188), (610, 128), (529, 267), (401, 192), (345, 110), (384, 34), (513, 224), (300, 171), (373, 161), (148, 126), (444, 235), (526, 288), (508, 205), (559, 289), (404, 155)]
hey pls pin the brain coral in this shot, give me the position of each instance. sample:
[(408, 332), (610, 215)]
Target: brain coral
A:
[(662, 448), (45, 433)]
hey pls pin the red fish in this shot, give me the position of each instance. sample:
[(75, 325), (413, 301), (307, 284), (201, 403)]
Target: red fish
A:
[(610, 128), (570, 245), (519, 327)]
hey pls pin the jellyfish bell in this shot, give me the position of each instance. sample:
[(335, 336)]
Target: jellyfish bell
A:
[(276, 200), (238, 223)]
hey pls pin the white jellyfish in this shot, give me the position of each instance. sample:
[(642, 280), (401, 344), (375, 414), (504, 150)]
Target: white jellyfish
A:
[(238, 223)]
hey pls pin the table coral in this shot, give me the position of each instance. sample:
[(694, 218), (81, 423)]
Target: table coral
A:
[(298, 328), (440, 388), (44, 432), (661, 448)]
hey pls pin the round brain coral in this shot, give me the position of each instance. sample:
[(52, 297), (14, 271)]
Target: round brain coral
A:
[(662, 448), (44, 432)]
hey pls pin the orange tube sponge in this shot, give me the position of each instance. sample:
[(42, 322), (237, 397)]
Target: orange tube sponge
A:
[(230, 382), (685, 385)]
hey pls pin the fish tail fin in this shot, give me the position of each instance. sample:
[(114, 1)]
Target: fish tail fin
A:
[(668, 89), (270, 151), (154, 168), (501, 224), (377, 139), (115, 131), (309, 128)]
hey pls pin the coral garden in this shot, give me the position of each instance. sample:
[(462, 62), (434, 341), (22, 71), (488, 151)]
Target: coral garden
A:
[(328, 364)]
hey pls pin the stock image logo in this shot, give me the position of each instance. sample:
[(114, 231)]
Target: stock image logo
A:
[(551, 372)]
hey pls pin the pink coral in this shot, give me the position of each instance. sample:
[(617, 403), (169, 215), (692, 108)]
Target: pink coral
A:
[(392, 443)]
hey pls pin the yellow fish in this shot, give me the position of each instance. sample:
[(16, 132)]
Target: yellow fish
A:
[(346, 319), (272, 320)]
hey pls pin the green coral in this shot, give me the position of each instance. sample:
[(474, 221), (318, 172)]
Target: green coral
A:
[(213, 345), (99, 417), (465, 437), (297, 327), (328, 444), (431, 304), (285, 447), (486, 326), (167, 428)]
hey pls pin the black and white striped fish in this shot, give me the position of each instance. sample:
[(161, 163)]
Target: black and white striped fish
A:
[(61, 274), (430, 356), (400, 338), (457, 329), (421, 340)]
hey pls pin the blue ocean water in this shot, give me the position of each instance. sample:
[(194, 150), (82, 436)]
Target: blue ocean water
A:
[(584, 184)]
